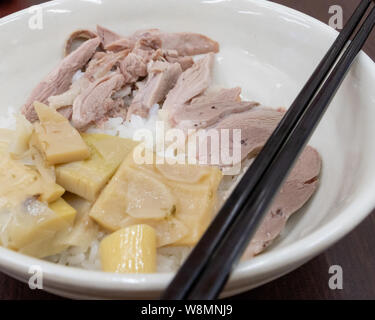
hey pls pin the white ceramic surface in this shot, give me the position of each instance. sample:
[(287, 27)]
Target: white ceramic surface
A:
[(268, 50)]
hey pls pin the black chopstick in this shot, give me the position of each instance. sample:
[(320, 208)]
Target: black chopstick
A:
[(236, 240), (189, 274)]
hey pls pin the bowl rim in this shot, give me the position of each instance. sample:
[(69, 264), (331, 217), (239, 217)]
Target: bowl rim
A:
[(269, 261)]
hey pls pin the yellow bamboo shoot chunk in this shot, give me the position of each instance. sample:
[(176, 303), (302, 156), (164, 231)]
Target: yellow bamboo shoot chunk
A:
[(18, 182), (22, 134), (43, 241), (56, 138), (52, 193), (84, 229), (63, 210), (36, 222), (87, 178), (176, 200), (129, 250), (132, 193)]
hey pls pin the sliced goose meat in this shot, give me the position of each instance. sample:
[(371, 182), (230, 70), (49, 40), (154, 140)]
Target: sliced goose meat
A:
[(211, 96), (190, 84), (141, 33), (111, 41), (117, 109), (203, 115), (185, 43), (148, 41), (158, 66), (99, 66), (172, 56), (295, 192), (133, 67), (79, 34), (103, 64), (120, 45), (188, 44), (161, 79), (98, 55), (208, 109), (256, 126), (185, 62), (60, 79), (66, 112), (95, 101), (107, 36)]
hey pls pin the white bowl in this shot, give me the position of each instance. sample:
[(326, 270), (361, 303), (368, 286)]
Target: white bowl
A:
[(268, 50)]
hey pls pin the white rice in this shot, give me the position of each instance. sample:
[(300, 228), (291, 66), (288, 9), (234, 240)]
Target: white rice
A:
[(169, 259), (117, 126), (80, 257)]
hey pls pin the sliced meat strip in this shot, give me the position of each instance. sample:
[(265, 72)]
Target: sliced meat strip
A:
[(256, 126), (66, 112), (98, 55), (190, 84), (141, 33), (149, 41), (111, 41), (96, 101), (78, 34), (295, 192), (203, 115), (133, 67), (158, 66), (185, 62), (120, 45), (99, 67), (161, 79), (215, 96), (60, 79), (107, 36), (188, 44), (172, 56), (185, 43), (118, 110), (208, 109)]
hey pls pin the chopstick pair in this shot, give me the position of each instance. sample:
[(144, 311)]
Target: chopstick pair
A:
[(208, 267)]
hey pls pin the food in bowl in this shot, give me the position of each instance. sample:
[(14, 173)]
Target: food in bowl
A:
[(79, 186)]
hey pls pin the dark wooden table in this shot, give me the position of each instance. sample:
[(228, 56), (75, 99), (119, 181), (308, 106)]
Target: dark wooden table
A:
[(355, 253)]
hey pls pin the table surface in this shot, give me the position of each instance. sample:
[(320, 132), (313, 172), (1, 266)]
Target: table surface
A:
[(355, 253)]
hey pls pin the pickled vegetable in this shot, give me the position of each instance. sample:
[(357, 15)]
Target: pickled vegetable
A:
[(56, 138), (179, 208), (87, 178), (129, 250)]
